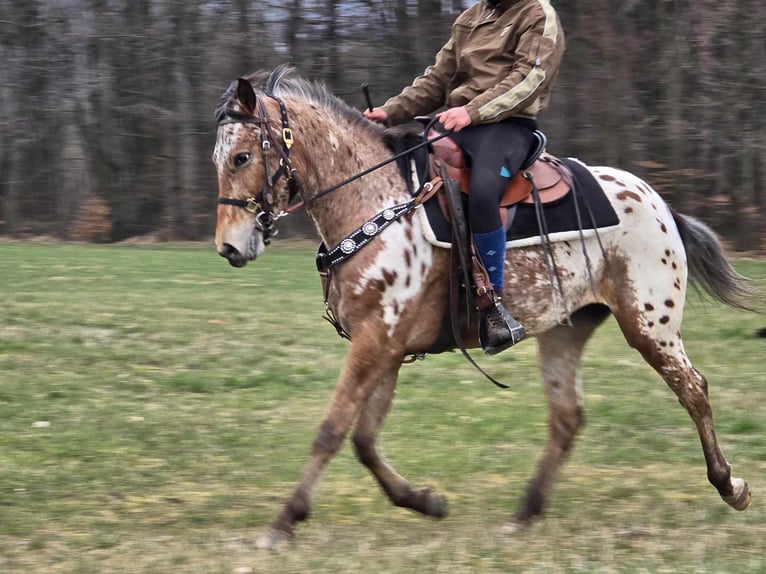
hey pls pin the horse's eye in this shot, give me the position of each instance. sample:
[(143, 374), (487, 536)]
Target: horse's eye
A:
[(241, 158)]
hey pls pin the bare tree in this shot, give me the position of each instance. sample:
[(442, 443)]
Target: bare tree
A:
[(106, 105)]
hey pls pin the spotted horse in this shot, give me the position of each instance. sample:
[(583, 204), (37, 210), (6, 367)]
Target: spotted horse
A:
[(281, 138)]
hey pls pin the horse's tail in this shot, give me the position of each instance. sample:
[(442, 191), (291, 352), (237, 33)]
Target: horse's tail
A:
[(709, 268)]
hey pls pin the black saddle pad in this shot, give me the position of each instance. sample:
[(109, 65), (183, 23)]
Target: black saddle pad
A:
[(561, 215)]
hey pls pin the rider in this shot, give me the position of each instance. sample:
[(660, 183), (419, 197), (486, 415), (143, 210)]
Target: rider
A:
[(494, 75)]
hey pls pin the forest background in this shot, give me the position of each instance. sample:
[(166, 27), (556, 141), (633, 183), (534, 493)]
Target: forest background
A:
[(106, 106)]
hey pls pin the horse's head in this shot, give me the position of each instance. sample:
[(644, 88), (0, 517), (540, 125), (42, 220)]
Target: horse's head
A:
[(255, 176), (256, 162)]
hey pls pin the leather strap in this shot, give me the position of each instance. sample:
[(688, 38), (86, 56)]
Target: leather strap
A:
[(460, 259), (362, 236)]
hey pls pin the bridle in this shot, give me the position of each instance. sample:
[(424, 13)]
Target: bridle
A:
[(261, 205)]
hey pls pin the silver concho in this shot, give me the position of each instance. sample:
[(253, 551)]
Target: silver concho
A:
[(347, 245), (389, 214), (370, 228)]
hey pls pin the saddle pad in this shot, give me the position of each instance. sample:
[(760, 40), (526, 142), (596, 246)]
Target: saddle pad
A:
[(560, 215)]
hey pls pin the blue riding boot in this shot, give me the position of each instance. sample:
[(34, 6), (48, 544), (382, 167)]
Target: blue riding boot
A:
[(498, 330)]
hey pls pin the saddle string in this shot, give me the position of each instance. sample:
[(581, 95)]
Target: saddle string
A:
[(597, 234), (588, 264), (554, 277)]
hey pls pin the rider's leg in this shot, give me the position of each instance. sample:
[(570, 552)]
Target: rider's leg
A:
[(499, 329), (491, 250), (495, 152)]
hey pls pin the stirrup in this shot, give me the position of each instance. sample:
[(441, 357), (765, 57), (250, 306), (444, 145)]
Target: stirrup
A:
[(515, 330)]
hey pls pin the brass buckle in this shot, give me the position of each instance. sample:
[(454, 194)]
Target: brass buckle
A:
[(252, 205), (287, 137)]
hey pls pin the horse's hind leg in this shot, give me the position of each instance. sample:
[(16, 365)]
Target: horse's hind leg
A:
[(661, 346), (425, 500), (560, 350)]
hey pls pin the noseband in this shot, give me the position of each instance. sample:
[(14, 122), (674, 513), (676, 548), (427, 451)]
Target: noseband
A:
[(262, 204)]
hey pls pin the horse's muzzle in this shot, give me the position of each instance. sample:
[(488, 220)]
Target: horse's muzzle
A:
[(232, 255)]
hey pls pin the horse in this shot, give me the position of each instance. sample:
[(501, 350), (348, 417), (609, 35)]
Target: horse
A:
[(281, 138)]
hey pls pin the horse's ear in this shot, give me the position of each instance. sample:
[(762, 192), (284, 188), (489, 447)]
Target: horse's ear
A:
[(246, 95)]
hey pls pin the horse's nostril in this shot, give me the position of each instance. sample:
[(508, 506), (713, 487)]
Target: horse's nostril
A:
[(228, 251), (232, 255)]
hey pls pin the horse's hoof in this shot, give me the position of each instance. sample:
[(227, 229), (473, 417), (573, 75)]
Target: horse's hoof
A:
[(436, 505), (439, 507), (511, 528), (516, 526), (272, 539), (741, 497), (429, 502)]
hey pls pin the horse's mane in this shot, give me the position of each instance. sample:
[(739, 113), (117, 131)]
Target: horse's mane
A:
[(282, 82)]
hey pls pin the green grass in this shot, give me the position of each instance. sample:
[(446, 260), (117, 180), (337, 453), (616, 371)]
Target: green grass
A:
[(156, 408)]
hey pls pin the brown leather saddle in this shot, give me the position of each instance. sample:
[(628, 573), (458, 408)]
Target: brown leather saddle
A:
[(540, 170), (542, 178)]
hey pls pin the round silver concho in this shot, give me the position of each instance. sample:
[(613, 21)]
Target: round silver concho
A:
[(370, 228), (389, 214), (347, 245)]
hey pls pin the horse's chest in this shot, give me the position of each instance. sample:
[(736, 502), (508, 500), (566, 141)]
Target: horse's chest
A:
[(394, 274)]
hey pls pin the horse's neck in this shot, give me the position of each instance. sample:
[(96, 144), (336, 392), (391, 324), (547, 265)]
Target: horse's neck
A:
[(340, 213), (335, 153)]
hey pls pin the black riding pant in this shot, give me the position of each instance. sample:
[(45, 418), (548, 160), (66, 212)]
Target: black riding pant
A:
[(494, 152)]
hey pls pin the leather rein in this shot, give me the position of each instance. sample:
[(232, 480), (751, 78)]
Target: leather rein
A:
[(262, 204)]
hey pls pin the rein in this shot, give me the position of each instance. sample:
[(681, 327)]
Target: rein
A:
[(262, 204), (377, 166)]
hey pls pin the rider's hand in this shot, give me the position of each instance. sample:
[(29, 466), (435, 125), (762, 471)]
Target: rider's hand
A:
[(455, 119), (376, 115)]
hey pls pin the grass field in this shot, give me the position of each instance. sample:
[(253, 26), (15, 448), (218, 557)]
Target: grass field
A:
[(156, 407)]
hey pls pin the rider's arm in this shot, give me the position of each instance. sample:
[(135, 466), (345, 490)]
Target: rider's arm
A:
[(427, 92)]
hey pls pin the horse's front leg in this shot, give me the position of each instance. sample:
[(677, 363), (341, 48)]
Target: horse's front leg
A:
[(424, 500), (366, 365)]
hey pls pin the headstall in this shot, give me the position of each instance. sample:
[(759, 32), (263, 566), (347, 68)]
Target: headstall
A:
[(262, 204)]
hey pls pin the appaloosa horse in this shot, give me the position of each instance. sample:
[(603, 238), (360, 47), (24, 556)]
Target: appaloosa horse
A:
[(293, 138)]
